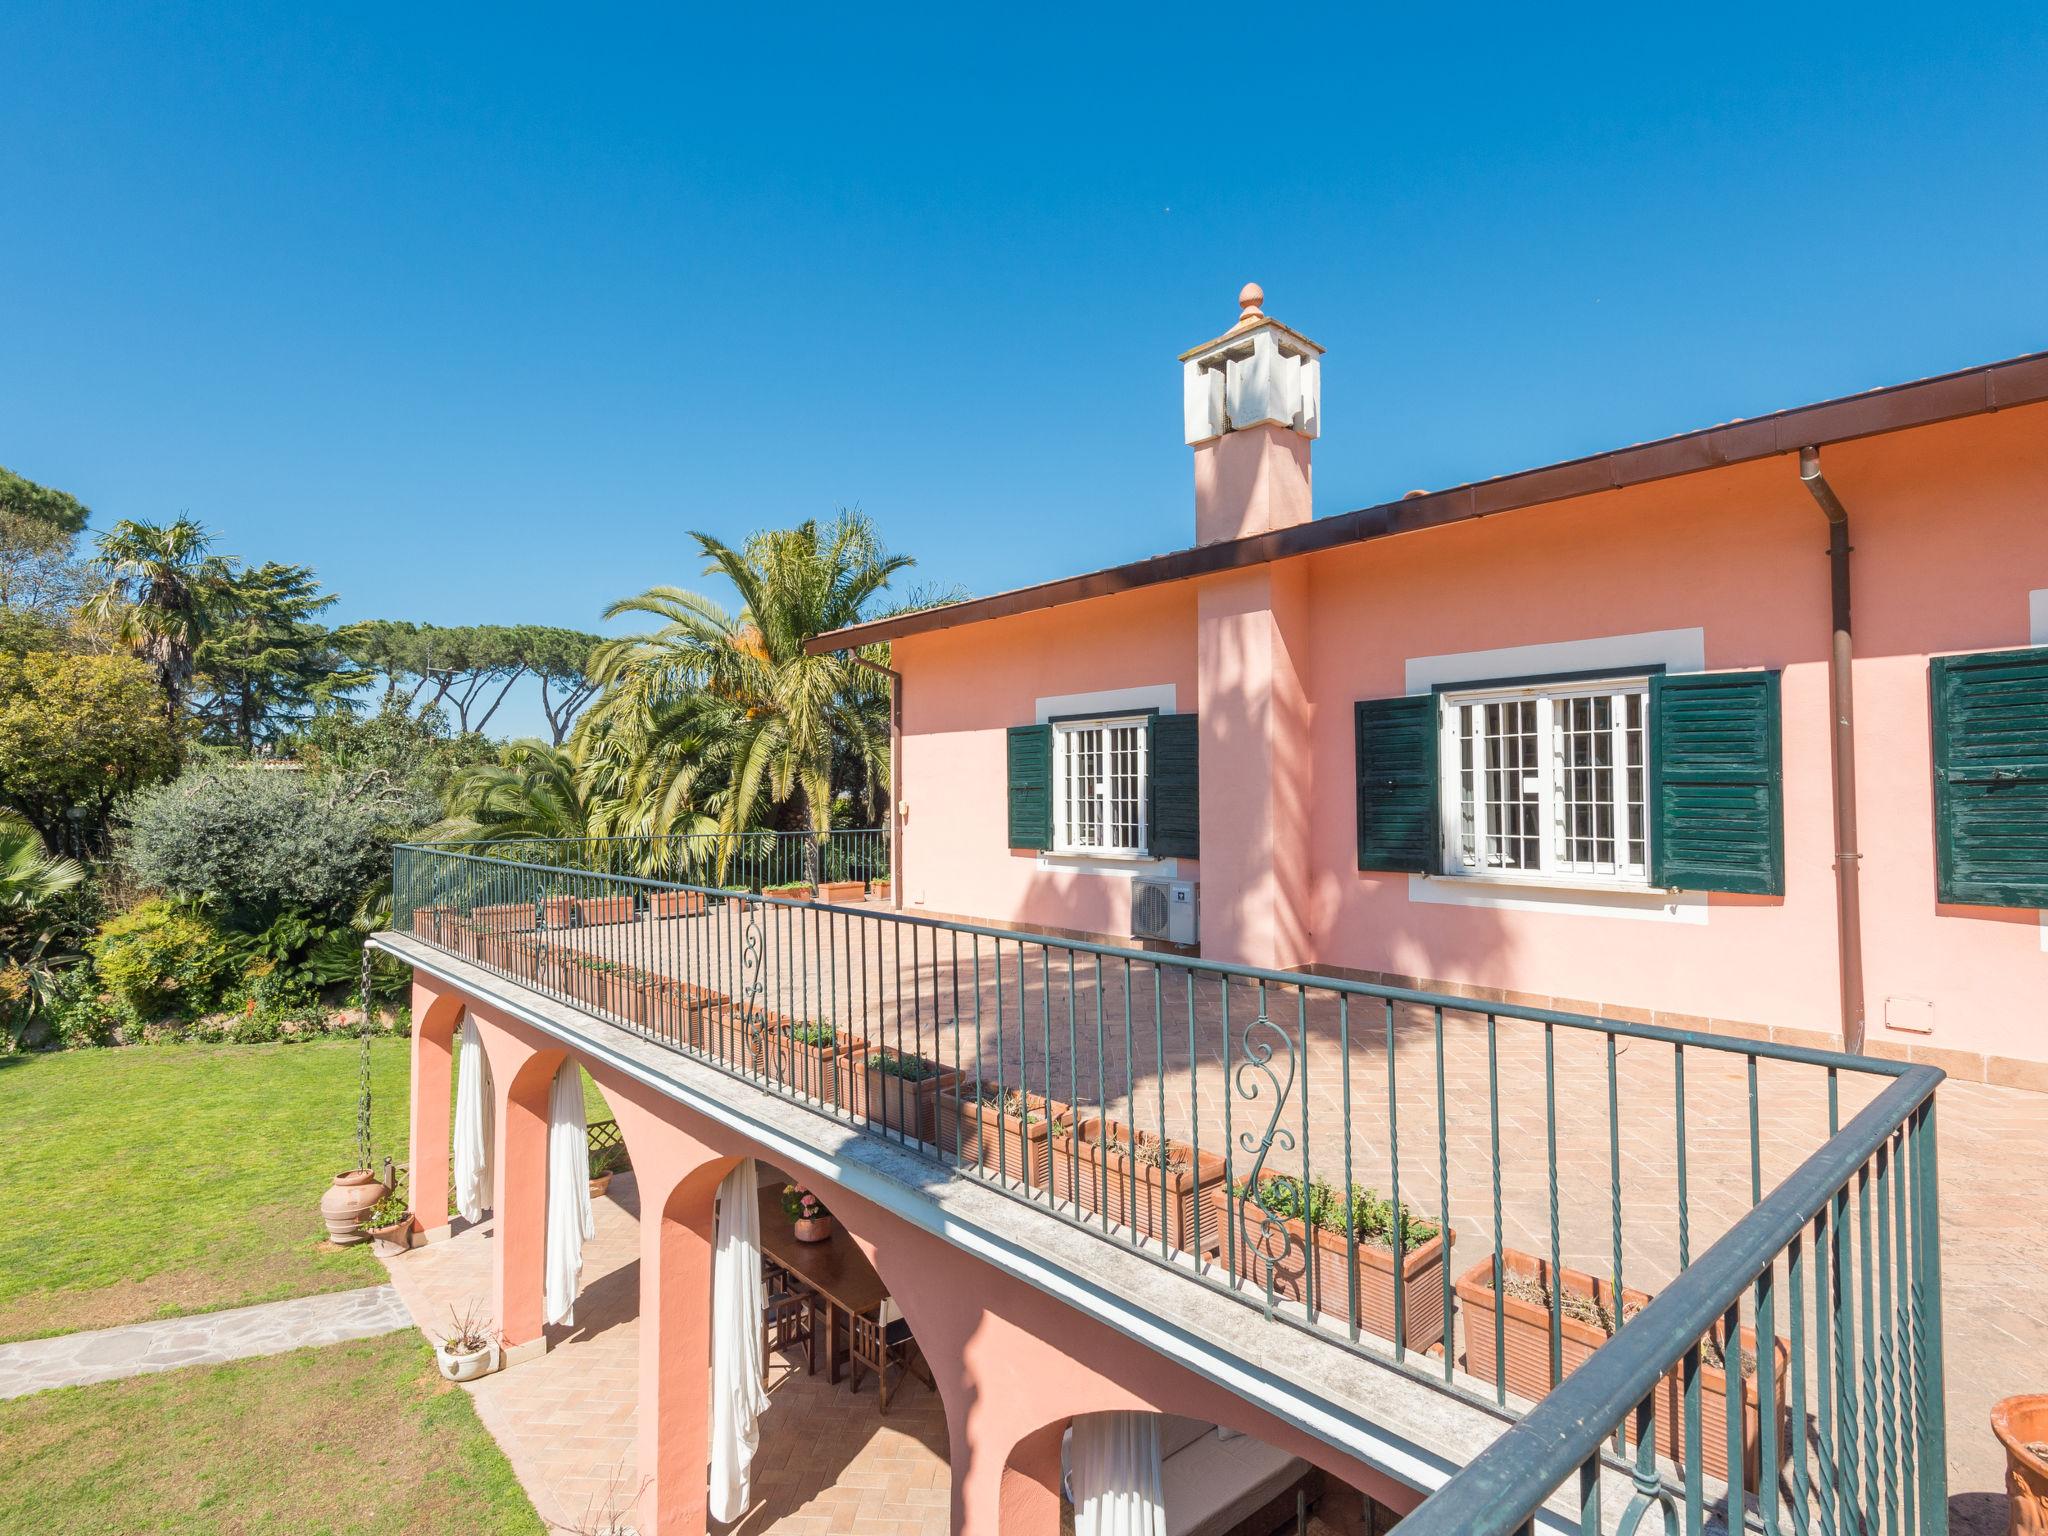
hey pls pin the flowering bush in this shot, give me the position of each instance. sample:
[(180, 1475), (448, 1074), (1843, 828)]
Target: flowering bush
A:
[(799, 1204)]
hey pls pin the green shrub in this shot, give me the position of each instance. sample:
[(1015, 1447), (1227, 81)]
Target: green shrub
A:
[(264, 844), (164, 960), (79, 1016)]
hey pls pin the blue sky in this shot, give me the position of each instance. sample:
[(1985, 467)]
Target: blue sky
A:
[(479, 309)]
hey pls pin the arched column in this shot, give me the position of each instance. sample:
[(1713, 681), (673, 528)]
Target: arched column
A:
[(523, 1065), (436, 1014), (677, 1173)]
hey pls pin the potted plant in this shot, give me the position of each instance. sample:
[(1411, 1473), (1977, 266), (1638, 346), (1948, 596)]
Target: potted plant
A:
[(674, 903), (900, 1091), (604, 1162), (842, 891), (2021, 1425), (1587, 1314), (1006, 1131), (347, 1201), (619, 907), (1099, 1164), (813, 1057), (1670, 1406), (810, 1222), (389, 1224), (632, 994), (879, 889), (469, 1350), (791, 890), (1307, 1246)]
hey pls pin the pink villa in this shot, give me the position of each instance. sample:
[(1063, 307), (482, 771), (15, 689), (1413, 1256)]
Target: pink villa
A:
[(1432, 1013)]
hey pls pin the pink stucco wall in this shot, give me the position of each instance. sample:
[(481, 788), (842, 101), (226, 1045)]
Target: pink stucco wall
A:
[(1950, 537)]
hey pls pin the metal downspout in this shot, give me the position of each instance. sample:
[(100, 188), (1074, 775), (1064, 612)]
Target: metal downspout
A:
[(895, 775), (1842, 702)]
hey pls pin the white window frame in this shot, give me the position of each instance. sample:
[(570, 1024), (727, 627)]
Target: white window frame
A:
[(1066, 742), (1555, 869)]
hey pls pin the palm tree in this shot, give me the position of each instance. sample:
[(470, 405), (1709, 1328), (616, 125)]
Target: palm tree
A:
[(532, 791), (164, 593), (779, 720)]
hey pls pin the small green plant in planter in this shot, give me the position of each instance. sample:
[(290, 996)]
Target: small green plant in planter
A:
[(1323, 1208), (604, 1162), (817, 1035), (912, 1069), (389, 1223), (791, 890)]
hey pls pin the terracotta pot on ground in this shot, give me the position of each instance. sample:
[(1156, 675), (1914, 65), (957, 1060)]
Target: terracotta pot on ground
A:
[(599, 1185), (595, 910), (466, 1366), (842, 891), (389, 1242), (675, 903), (1422, 1267), (879, 889), (1092, 1167), (997, 1139), (2021, 1424), (815, 1230), (347, 1201), (1526, 1324), (906, 1106)]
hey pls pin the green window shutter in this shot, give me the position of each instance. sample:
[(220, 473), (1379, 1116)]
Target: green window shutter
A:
[(1175, 817), (1991, 778), (1031, 786), (1397, 784), (1716, 783)]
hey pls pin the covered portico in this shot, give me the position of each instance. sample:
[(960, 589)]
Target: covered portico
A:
[(1019, 1343)]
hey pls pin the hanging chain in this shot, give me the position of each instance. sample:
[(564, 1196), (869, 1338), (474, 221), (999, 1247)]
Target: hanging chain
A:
[(363, 1091)]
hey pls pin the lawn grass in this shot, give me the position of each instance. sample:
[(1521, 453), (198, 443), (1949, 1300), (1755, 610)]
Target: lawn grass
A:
[(153, 1181), (361, 1437)]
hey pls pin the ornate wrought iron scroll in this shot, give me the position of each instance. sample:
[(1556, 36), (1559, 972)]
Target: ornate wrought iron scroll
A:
[(1260, 1039)]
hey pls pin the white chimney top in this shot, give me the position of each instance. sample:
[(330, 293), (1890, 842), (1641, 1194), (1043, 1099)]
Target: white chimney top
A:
[(1257, 373)]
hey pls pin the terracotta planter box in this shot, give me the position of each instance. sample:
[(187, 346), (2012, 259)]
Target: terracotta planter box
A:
[(576, 981), (633, 995), (821, 1071), (595, 910), (842, 891), (560, 911), (1422, 1271), (502, 917), (1526, 1330), (792, 892), (999, 1142), (1526, 1325), (675, 903), (879, 889), (1091, 1168), (506, 953), (895, 1103), (1670, 1411), (435, 924)]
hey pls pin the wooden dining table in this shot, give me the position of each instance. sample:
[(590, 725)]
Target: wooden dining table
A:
[(836, 1269)]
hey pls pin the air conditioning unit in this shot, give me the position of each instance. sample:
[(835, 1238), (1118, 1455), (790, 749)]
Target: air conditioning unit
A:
[(1165, 909)]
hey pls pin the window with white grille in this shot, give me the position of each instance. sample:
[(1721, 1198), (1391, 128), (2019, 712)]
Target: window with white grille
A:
[(1099, 779), (1548, 781)]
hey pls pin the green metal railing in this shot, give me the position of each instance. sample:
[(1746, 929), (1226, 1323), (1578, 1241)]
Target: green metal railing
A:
[(751, 861), (1707, 1265)]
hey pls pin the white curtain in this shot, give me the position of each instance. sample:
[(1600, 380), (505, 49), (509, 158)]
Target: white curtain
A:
[(569, 1215), (472, 1128), (1115, 1475), (737, 1398)]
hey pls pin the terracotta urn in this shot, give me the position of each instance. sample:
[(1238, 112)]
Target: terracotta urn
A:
[(2021, 1424), (347, 1201), (813, 1230)]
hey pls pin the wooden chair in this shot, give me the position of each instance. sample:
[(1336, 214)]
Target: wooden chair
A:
[(876, 1345), (789, 1319)]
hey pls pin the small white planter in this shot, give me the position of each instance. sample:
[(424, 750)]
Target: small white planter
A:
[(470, 1365)]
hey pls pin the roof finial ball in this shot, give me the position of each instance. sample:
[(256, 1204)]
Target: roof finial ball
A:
[(1249, 298)]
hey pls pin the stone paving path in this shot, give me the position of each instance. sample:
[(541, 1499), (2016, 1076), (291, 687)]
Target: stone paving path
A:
[(108, 1354)]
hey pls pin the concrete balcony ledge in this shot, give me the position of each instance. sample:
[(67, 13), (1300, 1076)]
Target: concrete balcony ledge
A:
[(1412, 1429)]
